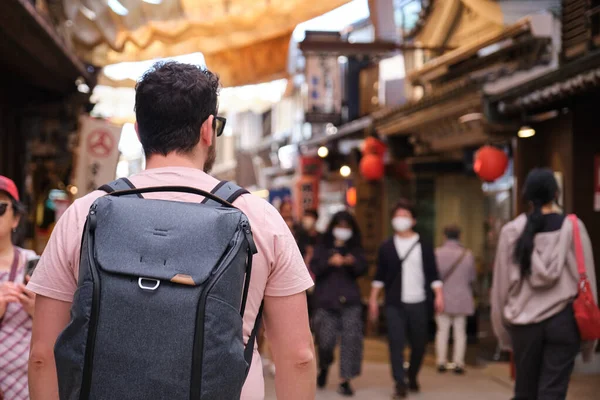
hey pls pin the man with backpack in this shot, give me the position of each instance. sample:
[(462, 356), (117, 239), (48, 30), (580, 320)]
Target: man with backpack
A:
[(163, 297)]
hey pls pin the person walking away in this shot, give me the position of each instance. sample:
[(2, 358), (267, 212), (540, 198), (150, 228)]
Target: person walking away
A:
[(407, 270), (16, 302), (534, 284), (178, 125), (308, 238), (456, 267), (337, 264), (308, 235)]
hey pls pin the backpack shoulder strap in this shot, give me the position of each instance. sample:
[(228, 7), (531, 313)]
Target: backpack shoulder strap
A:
[(119, 184), (227, 191), (249, 349)]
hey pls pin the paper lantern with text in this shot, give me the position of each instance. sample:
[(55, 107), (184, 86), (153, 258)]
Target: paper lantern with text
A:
[(372, 167), (490, 163), (372, 145)]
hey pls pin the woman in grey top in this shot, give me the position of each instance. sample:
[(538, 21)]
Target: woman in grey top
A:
[(535, 282), (456, 267)]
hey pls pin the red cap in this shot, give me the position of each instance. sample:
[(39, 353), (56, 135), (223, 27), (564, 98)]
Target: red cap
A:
[(8, 186)]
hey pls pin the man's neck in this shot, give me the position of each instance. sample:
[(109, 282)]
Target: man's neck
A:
[(548, 209), (174, 160), (406, 235)]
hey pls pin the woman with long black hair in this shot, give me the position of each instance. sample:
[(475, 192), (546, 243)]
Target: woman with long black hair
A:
[(337, 263), (535, 282)]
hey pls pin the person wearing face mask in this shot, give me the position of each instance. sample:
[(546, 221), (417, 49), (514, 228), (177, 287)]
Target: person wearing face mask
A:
[(407, 270), (308, 235), (337, 263)]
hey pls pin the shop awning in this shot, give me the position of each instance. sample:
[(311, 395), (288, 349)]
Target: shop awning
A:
[(342, 132), (245, 41), (550, 91)]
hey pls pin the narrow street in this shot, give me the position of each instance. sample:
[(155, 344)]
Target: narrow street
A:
[(489, 382)]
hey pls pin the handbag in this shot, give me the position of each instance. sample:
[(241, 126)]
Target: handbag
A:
[(586, 311)]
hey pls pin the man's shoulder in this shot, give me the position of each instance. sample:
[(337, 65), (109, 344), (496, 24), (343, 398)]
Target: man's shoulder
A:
[(426, 244), (387, 243), (263, 215), (80, 207)]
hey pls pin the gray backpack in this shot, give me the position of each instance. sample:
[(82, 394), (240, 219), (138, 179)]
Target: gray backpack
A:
[(160, 301)]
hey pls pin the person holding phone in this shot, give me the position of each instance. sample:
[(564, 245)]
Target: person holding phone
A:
[(338, 262), (16, 302)]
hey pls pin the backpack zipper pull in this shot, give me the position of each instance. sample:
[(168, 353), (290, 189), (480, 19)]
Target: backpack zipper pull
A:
[(249, 237), (92, 218)]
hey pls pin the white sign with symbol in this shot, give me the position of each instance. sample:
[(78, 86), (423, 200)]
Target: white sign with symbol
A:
[(98, 154)]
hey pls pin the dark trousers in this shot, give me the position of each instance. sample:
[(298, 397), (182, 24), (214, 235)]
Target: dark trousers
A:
[(409, 322), (544, 355), (347, 324)]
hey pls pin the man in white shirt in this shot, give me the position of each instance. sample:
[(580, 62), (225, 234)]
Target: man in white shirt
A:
[(407, 269)]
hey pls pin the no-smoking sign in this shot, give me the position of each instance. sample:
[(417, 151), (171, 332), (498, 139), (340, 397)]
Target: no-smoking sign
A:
[(100, 143)]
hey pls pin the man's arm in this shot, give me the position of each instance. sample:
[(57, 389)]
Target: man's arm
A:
[(432, 276), (377, 285), (51, 317), (286, 324)]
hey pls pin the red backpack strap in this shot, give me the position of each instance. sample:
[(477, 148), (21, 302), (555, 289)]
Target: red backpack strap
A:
[(578, 246)]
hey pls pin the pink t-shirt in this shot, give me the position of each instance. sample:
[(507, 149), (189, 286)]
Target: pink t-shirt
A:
[(278, 268)]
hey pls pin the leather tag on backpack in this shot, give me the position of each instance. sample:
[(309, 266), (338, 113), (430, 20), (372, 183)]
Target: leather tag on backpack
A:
[(183, 280)]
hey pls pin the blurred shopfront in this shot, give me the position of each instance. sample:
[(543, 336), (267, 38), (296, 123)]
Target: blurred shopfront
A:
[(44, 89)]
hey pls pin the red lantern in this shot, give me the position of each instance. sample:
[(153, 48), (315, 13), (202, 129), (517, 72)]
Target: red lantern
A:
[(490, 163), (372, 167), (372, 145), (351, 197)]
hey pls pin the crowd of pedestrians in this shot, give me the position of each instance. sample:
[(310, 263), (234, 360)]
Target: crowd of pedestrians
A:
[(536, 279)]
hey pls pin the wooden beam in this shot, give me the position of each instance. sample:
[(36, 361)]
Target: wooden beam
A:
[(376, 47)]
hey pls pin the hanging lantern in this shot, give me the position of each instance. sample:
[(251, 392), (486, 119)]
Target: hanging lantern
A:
[(372, 145), (351, 197), (490, 163), (372, 167)]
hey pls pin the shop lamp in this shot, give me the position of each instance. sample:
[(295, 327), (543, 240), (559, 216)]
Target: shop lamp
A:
[(345, 171), (526, 132), (323, 152)]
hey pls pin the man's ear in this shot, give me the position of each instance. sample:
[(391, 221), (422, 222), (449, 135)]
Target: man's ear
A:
[(137, 132), (206, 131)]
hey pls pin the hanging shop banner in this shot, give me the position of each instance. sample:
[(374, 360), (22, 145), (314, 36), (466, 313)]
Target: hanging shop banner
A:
[(307, 193), (98, 154), (312, 166), (307, 185), (324, 99)]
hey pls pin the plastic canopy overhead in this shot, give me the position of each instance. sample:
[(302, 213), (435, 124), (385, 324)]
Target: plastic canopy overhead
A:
[(245, 41)]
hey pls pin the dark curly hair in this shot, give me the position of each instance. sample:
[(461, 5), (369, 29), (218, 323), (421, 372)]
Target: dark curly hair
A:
[(404, 204), (172, 101)]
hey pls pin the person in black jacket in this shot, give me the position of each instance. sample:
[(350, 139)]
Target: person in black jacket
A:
[(337, 263), (407, 270)]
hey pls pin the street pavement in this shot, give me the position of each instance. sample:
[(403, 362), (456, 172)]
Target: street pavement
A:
[(375, 383), (485, 381)]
